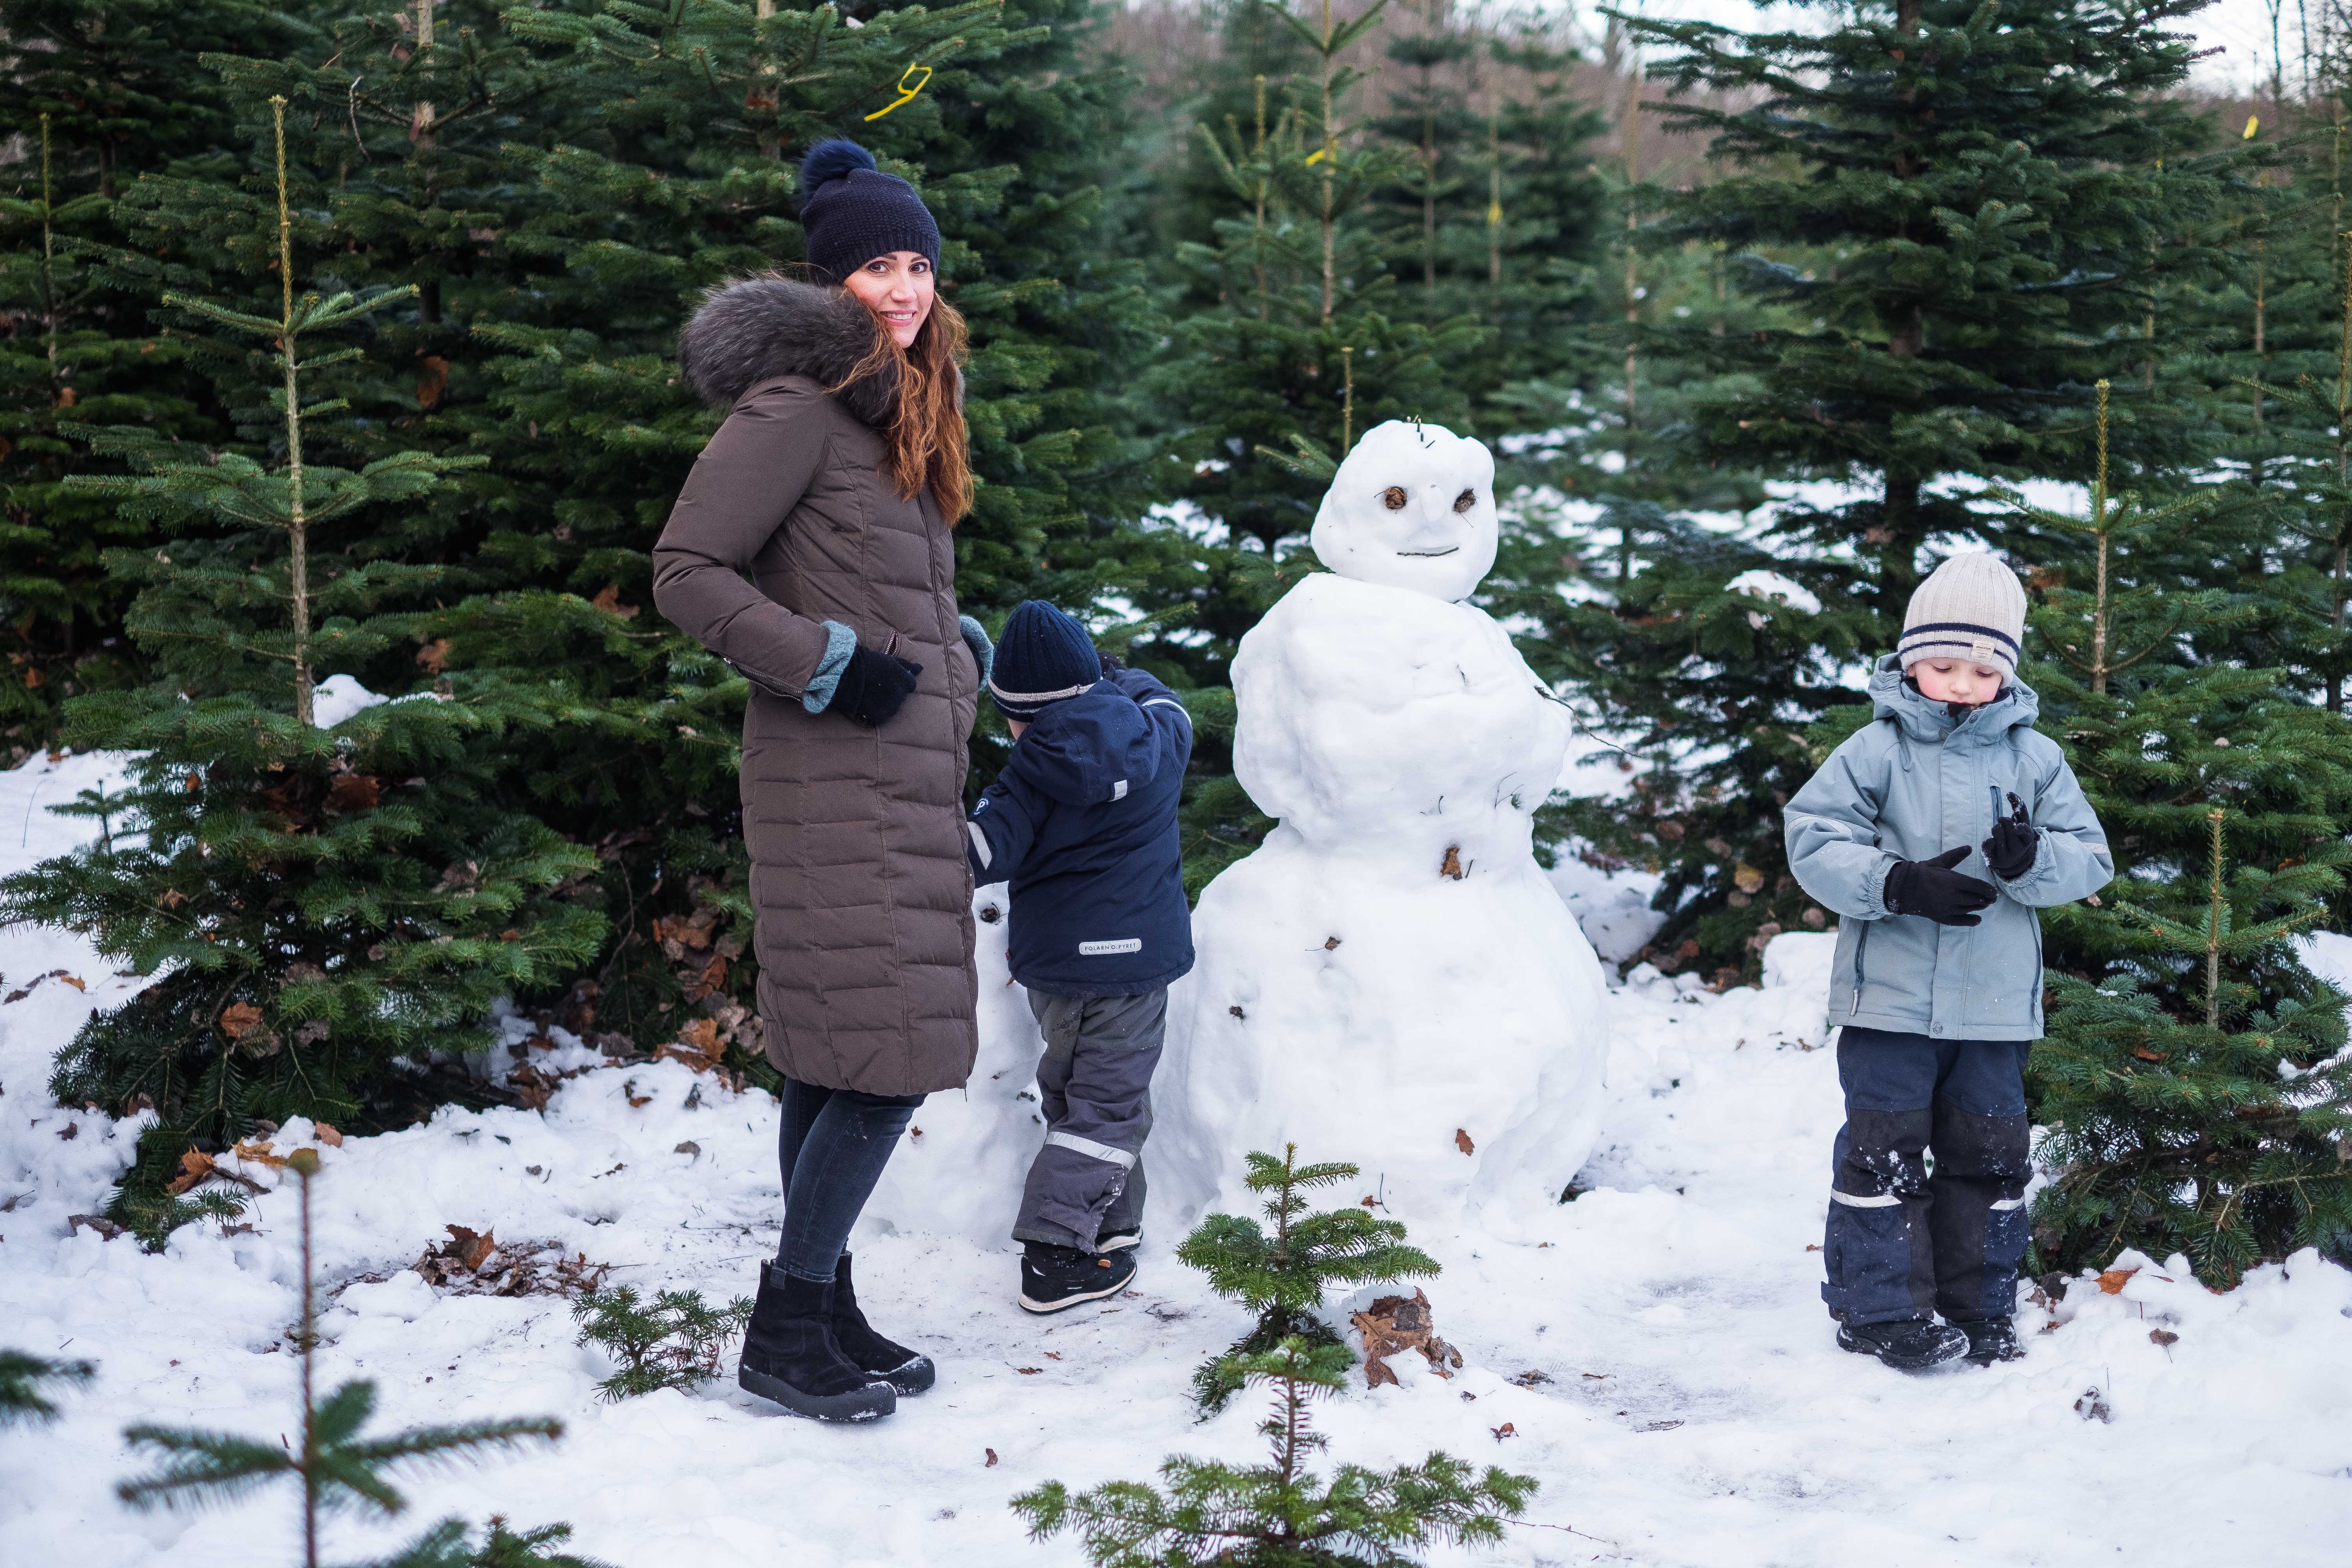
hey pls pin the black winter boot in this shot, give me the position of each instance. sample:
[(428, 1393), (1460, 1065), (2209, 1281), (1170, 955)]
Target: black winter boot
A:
[(906, 1370), (1054, 1278), (790, 1354), (1990, 1339), (1907, 1344)]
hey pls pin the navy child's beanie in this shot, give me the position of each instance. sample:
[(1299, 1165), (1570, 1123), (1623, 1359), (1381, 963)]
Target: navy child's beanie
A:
[(851, 212), (1042, 656)]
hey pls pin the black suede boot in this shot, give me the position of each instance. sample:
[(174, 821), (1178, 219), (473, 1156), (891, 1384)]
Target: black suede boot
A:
[(790, 1354), (909, 1372)]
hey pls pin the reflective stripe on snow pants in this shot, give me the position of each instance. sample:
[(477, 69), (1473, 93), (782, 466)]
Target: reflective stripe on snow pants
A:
[(1094, 1091), (1900, 1243)]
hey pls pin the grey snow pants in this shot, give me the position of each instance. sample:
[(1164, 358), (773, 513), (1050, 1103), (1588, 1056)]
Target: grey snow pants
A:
[(1901, 1243), (1094, 1087)]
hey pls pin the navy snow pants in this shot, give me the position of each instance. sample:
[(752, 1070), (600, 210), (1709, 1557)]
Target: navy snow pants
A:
[(1902, 1243), (1094, 1086)]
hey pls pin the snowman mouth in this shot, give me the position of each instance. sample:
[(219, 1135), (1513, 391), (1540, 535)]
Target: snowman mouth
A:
[(1424, 554)]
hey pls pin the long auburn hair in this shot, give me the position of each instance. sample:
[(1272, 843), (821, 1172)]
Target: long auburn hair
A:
[(926, 435)]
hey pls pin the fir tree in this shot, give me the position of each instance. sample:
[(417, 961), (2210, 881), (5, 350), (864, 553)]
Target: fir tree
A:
[(672, 1341), (28, 1381), (1281, 1514), (338, 1468), (328, 906), (2198, 1100), (1283, 1277), (104, 91)]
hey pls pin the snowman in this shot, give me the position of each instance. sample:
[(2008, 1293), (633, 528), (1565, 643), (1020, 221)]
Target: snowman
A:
[(1390, 979)]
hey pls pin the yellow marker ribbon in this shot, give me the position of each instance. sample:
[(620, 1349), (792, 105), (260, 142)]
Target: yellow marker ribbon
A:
[(2253, 123), (906, 94)]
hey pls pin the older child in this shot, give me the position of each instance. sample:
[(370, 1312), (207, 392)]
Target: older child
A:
[(1082, 822), (1937, 979)]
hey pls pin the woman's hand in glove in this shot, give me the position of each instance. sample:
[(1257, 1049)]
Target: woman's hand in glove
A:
[(873, 686), (1931, 888), (2011, 849)]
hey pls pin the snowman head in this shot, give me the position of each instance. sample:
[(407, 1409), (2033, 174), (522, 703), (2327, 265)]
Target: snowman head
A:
[(1413, 507)]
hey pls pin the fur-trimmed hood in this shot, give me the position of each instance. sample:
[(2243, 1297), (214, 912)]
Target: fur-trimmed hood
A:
[(756, 329)]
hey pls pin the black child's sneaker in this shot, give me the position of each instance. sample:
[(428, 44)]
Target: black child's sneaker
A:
[(1990, 1339), (1908, 1345), (1117, 1240), (1053, 1278)]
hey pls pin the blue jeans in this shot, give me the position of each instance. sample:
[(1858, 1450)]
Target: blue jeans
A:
[(832, 1145), (1901, 1244)]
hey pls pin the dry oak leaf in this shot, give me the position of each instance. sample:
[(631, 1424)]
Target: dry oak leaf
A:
[(468, 1248), (1395, 1323), (1747, 877), (2163, 1337), (194, 1166), (610, 600), (239, 1019), (328, 1135), (434, 655), (434, 377), (74, 981), (2112, 1282), (1504, 1430), (992, 1458), (1452, 865), (355, 792), (1462, 1141), (259, 1153)]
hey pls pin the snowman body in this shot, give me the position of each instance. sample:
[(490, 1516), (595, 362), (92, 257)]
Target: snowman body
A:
[(1390, 979)]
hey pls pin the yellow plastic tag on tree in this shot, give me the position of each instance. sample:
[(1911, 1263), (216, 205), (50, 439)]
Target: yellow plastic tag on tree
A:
[(906, 94)]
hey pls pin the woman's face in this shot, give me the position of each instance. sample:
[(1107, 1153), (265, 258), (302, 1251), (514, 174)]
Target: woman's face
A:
[(897, 288)]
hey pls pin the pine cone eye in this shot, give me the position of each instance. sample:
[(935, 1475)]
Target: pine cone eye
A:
[(1466, 500), (1393, 498)]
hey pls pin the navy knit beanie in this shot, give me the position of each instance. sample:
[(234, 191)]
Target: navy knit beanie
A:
[(1042, 656), (851, 212)]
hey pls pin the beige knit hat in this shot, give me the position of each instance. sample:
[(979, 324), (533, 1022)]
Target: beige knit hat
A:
[(1971, 608)]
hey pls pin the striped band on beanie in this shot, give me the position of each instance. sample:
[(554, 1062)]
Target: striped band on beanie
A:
[(1042, 656), (1972, 607)]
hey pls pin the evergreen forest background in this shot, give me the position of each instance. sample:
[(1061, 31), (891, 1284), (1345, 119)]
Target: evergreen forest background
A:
[(335, 342)]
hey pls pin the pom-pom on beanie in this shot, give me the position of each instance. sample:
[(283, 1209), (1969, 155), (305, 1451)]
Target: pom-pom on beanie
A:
[(1042, 656), (1971, 608), (851, 212)]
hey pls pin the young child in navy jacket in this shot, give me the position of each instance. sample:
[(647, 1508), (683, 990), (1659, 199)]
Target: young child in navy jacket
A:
[(1082, 823)]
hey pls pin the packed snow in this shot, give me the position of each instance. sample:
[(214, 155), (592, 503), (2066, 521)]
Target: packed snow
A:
[(1656, 1347)]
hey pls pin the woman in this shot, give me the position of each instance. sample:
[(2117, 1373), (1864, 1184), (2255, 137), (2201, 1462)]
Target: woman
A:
[(833, 484)]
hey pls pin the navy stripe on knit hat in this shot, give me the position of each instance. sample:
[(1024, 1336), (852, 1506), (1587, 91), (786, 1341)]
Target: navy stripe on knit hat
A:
[(1041, 657), (851, 212)]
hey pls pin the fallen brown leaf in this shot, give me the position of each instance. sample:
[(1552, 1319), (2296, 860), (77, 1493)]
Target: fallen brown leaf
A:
[(468, 1248), (1028, 1371), (1395, 1323), (1452, 865), (2162, 1337), (239, 1019), (2112, 1282), (355, 792), (194, 1166), (259, 1153), (610, 601), (74, 981), (1504, 1430), (1462, 1141), (992, 1458), (434, 655), (329, 1136)]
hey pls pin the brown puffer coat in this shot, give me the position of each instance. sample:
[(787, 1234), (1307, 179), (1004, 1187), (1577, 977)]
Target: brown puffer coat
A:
[(857, 836)]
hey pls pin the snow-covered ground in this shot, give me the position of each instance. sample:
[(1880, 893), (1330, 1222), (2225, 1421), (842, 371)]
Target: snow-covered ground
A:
[(1656, 1348)]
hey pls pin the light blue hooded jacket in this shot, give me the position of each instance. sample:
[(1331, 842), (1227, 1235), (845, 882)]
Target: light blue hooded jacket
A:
[(1907, 786)]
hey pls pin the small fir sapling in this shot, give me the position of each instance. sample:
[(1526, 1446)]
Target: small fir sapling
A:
[(26, 1381), (674, 1342), (2199, 1102), (1282, 1276), (338, 1468), (1280, 1514)]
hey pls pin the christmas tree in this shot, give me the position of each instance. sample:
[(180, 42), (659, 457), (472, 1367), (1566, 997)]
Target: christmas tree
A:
[(332, 898), (2197, 1100), (1283, 1277), (102, 94), (1281, 1514)]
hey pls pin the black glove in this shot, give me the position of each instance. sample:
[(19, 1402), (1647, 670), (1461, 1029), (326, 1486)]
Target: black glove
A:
[(2011, 849), (873, 686), (1110, 662), (1931, 888)]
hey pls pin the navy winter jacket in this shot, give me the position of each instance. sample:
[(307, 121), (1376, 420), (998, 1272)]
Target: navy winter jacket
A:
[(1082, 822)]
